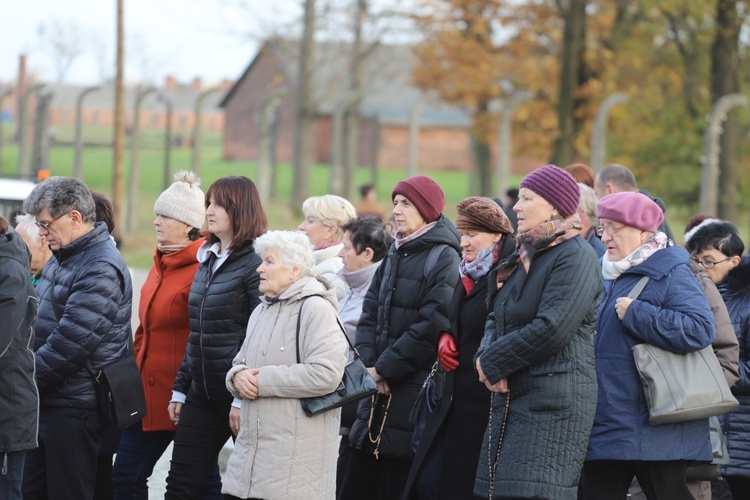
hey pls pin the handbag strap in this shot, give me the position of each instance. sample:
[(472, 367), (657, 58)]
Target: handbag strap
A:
[(338, 320), (638, 288)]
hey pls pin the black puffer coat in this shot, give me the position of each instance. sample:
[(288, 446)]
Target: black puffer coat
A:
[(85, 297), (402, 315), (19, 399), (219, 305), (735, 291)]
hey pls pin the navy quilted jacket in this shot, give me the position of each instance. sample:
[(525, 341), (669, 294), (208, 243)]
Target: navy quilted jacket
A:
[(219, 305), (671, 312), (735, 291), (85, 296)]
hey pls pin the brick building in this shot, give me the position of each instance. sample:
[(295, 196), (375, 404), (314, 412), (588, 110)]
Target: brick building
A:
[(98, 106), (443, 143)]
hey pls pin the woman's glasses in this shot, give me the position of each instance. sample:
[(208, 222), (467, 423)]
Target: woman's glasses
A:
[(608, 228), (708, 263)]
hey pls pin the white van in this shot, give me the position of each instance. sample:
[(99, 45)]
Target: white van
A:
[(12, 194)]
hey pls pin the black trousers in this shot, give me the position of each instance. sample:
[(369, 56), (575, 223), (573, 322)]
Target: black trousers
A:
[(610, 479), (201, 433), (367, 478), (740, 486), (64, 465)]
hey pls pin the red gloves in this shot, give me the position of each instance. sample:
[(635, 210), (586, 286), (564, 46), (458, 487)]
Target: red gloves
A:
[(447, 353)]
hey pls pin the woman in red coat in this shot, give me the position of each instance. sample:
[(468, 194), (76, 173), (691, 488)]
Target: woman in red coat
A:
[(162, 335)]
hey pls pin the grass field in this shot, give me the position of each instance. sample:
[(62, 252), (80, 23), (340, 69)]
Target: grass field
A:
[(138, 246)]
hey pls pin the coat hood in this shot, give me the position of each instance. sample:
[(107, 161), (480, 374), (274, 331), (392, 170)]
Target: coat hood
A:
[(13, 247)]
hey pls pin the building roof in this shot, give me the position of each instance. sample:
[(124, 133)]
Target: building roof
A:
[(183, 97), (387, 70)]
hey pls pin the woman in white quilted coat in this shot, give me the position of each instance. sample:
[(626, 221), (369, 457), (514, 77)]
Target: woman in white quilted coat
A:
[(280, 453)]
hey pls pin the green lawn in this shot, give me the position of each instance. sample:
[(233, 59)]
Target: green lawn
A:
[(137, 247)]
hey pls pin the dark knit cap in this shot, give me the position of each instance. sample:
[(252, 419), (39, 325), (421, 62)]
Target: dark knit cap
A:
[(476, 213), (556, 186), (424, 194)]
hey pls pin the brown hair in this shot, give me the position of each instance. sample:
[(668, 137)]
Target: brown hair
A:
[(582, 173), (3, 224), (105, 212), (239, 197)]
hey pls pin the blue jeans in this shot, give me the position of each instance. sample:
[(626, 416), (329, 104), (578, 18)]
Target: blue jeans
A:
[(135, 460), (11, 474)]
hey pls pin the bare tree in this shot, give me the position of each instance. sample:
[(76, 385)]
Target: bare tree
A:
[(352, 117), (63, 42), (305, 109), (725, 80), (102, 53)]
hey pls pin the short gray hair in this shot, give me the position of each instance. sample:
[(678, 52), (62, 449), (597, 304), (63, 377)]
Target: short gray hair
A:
[(61, 195), (292, 247), (25, 224), (587, 203)]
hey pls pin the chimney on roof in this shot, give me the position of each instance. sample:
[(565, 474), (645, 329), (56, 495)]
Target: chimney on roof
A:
[(21, 82), (170, 83), (197, 84), (226, 84)]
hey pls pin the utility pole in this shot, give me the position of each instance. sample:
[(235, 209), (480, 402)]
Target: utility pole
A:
[(119, 142)]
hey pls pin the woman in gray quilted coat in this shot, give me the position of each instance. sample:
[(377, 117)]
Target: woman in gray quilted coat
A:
[(537, 354)]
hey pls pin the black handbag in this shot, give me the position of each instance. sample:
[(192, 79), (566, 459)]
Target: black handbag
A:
[(427, 400), (119, 392), (355, 384), (708, 471)]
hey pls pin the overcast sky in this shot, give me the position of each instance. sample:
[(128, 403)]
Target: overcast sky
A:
[(213, 39)]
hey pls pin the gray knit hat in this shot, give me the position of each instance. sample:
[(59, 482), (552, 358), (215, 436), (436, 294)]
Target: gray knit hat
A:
[(183, 200)]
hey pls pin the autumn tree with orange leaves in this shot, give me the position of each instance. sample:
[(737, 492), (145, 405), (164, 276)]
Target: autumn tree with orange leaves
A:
[(461, 61)]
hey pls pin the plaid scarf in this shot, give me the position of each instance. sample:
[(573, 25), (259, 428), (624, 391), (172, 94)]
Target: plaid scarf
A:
[(543, 237), (613, 270)]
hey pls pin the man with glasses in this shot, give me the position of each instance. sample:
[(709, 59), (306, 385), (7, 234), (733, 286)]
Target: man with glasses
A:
[(616, 178), (83, 325)]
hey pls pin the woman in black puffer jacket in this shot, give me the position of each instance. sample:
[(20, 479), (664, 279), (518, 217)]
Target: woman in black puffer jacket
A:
[(222, 296), (404, 311)]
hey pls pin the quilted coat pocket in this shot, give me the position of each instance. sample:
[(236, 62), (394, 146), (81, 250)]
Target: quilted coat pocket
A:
[(552, 385)]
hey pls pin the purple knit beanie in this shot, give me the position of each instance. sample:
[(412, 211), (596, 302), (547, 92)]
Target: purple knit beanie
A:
[(632, 209), (424, 193), (556, 186)]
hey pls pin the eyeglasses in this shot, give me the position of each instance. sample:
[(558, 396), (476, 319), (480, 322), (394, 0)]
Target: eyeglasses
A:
[(608, 228), (708, 264), (45, 225)]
